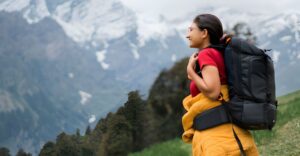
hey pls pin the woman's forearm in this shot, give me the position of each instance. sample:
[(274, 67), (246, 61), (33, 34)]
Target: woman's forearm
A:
[(200, 83), (209, 90)]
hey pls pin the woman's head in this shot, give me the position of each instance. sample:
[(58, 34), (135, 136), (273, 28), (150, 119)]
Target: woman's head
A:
[(205, 29)]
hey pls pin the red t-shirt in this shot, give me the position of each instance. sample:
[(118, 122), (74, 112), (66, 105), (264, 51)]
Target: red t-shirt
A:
[(210, 56)]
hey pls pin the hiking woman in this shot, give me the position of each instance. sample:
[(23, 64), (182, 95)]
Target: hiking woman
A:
[(205, 93)]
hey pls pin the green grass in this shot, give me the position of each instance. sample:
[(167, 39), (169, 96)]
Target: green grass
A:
[(285, 136), (169, 148), (289, 97), (283, 140)]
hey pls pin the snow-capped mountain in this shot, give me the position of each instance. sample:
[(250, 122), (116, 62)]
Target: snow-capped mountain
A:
[(83, 21), (76, 60), (92, 23), (281, 33), (73, 61)]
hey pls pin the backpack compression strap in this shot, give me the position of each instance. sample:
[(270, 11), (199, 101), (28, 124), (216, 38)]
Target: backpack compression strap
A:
[(234, 133)]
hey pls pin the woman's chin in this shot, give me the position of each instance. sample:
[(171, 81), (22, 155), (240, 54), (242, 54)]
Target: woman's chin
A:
[(192, 46)]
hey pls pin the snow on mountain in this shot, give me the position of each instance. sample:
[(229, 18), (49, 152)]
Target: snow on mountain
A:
[(266, 25), (92, 118), (37, 11), (83, 21), (94, 20), (8, 103), (281, 31), (276, 24), (174, 58), (151, 27), (14, 5), (93, 23), (134, 51), (101, 57), (275, 56), (85, 97), (33, 11), (71, 75), (228, 17), (286, 39)]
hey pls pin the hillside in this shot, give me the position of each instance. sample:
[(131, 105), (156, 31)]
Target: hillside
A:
[(284, 139), (136, 125)]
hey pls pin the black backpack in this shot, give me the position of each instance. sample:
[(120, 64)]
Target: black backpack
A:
[(250, 74), (250, 77)]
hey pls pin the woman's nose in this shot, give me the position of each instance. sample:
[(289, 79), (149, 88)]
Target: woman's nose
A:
[(188, 36)]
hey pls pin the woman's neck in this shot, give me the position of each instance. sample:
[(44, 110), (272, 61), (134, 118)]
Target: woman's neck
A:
[(204, 45)]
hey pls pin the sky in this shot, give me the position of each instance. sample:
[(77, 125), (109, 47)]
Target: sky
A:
[(173, 9)]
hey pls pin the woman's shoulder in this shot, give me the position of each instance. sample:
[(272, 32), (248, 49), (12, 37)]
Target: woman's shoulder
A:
[(210, 52)]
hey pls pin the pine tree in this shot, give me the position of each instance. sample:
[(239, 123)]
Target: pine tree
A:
[(48, 149), (67, 145), (88, 130), (21, 152), (165, 102), (119, 138), (4, 151), (134, 112)]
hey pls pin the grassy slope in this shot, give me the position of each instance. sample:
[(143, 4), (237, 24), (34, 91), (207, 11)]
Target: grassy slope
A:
[(284, 139)]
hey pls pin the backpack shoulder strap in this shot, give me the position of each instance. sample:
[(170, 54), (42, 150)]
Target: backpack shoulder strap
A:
[(224, 41)]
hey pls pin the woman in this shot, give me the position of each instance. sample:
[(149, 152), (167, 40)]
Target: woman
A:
[(206, 89)]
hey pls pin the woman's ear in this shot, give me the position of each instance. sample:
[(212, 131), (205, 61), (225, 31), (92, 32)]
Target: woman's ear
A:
[(205, 33)]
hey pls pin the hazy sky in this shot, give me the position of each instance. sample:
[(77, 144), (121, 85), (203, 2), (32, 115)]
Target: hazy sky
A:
[(178, 8)]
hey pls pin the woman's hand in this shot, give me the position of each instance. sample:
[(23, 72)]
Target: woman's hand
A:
[(191, 65)]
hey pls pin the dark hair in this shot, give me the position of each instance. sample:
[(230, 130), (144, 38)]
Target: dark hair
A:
[(212, 24)]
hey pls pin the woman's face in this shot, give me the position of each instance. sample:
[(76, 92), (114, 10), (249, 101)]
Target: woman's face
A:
[(195, 36)]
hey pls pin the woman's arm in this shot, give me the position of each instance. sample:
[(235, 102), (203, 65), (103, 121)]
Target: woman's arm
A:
[(210, 84)]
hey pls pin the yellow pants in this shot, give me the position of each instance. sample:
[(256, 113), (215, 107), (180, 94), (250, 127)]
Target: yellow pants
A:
[(216, 141)]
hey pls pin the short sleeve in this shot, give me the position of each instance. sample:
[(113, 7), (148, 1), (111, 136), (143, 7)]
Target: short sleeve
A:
[(205, 57)]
